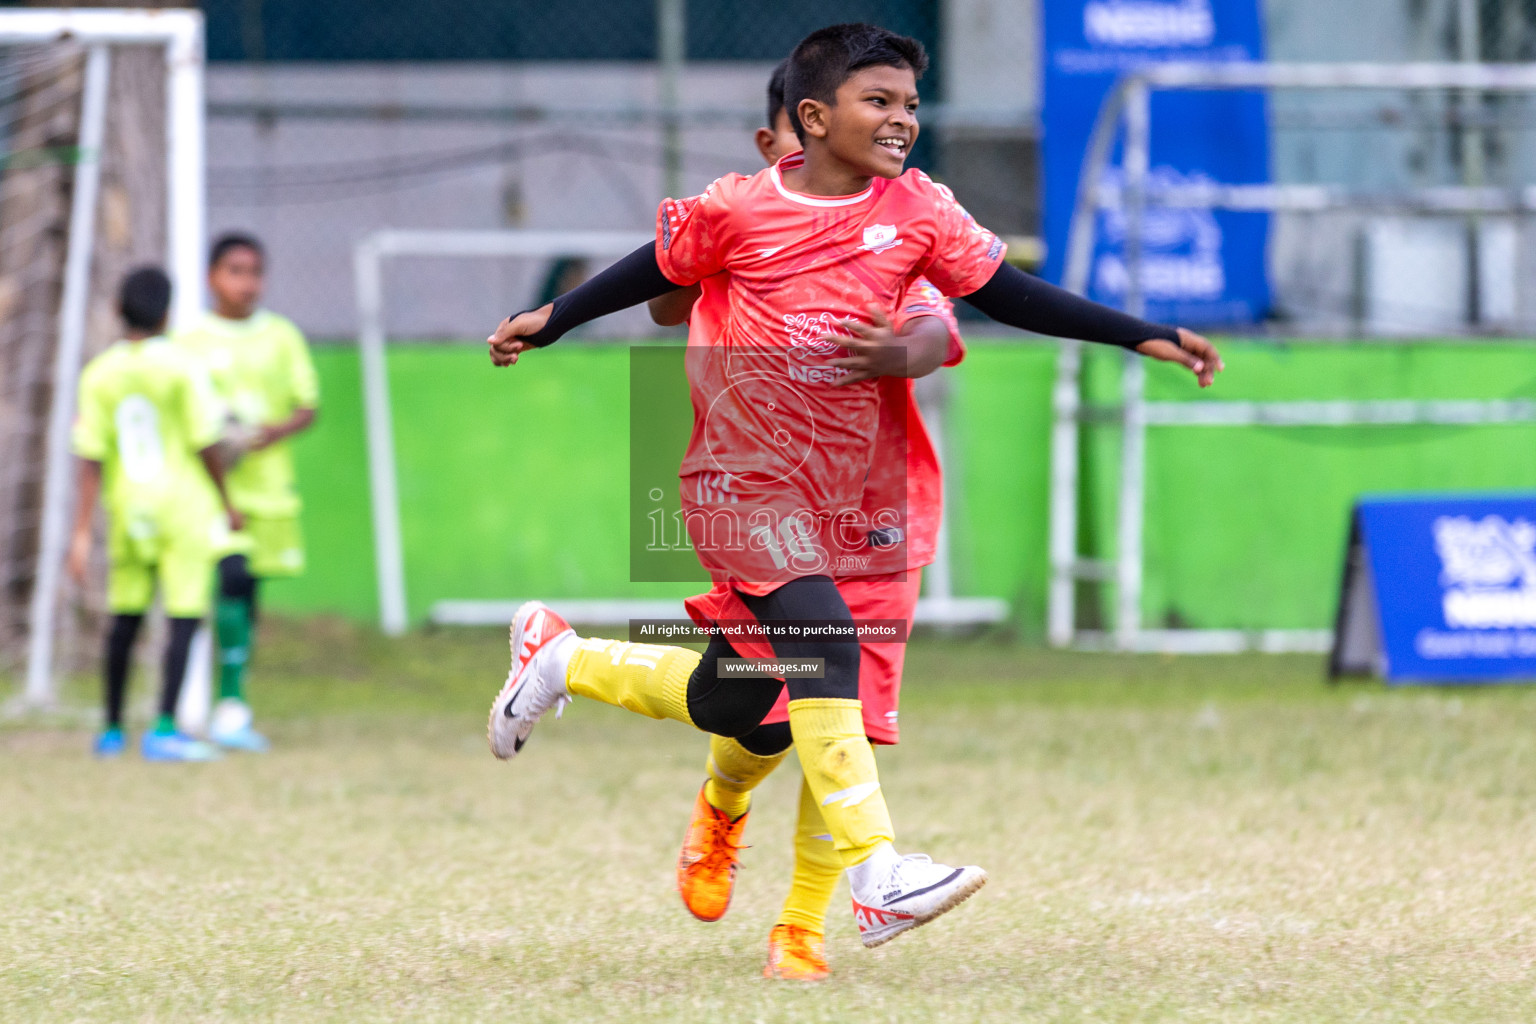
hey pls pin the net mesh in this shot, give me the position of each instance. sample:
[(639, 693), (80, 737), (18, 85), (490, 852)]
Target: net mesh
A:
[(40, 104)]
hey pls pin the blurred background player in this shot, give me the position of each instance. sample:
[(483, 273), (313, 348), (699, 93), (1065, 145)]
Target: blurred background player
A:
[(261, 370), (904, 478), (146, 432)]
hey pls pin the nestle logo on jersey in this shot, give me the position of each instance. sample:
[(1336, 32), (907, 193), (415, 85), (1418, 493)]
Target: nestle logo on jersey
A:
[(880, 237), (806, 374)]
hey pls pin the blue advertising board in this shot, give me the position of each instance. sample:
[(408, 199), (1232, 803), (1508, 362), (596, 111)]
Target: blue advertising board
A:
[(1199, 266), (1454, 580)]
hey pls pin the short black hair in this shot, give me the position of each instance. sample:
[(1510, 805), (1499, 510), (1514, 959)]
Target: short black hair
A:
[(776, 91), (234, 240), (144, 299), (828, 57)]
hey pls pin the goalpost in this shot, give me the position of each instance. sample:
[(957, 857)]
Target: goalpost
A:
[(939, 605), (178, 36), (1129, 108)]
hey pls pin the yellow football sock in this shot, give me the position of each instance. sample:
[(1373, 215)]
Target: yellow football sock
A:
[(644, 678), (817, 868), (839, 766), (734, 772)]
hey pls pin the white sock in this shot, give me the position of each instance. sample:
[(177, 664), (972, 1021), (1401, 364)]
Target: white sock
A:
[(558, 661), (869, 871)]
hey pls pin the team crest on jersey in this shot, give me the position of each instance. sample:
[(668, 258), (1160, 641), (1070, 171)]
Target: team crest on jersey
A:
[(880, 237)]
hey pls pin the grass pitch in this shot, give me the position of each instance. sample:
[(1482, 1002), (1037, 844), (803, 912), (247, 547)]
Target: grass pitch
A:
[(1200, 839)]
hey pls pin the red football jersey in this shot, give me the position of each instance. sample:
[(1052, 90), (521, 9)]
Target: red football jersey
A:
[(905, 487), (903, 491), (775, 477)]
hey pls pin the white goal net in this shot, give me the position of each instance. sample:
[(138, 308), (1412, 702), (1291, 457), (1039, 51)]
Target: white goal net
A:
[(101, 169)]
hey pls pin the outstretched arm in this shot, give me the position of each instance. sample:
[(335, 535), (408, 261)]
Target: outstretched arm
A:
[(1023, 300), (629, 282)]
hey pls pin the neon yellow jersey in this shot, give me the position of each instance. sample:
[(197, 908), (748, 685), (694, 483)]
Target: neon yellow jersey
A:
[(145, 411), (262, 372)]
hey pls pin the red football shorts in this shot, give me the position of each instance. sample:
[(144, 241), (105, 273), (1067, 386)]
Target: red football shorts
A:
[(880, 664)]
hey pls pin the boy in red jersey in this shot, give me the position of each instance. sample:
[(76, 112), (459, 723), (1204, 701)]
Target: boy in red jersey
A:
[(904, 483), (781, 451)]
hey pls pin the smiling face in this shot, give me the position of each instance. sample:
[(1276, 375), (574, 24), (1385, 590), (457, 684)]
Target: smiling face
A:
[(871, 127)]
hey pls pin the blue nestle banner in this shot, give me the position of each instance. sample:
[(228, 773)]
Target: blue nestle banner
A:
[(1455, 583), (1200, 266)]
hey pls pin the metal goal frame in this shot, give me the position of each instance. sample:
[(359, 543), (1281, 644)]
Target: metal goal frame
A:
[(179, 34), (938, 606), (1129, 106)]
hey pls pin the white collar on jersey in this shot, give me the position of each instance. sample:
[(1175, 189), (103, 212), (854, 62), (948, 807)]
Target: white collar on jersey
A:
[(797, 159)]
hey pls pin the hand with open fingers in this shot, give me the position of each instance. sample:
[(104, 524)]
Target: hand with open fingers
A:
[(876, 350), (1192, 351), (507, 344)]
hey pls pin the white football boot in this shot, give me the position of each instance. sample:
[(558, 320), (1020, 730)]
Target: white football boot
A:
[(893, 894), (541, 649)]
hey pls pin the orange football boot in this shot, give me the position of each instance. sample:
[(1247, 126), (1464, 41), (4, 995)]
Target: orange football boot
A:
[(796, 954), (706, 869)]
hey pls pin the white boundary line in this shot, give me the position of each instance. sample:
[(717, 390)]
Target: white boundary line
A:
[(931, 611)]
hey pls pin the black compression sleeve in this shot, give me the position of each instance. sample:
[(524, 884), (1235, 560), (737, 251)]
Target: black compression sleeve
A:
[(634, 279), (1023, 300)]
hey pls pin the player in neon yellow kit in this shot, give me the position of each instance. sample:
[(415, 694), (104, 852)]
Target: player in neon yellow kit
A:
[(147, 418), (261, 368)]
